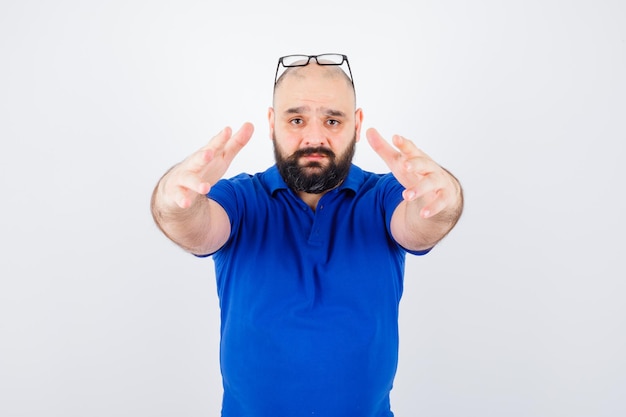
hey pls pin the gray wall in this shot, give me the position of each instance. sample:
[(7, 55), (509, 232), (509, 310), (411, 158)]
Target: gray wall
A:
[(519, 312)]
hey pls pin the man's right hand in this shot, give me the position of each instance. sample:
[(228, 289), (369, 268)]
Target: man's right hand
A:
[(194, 176)]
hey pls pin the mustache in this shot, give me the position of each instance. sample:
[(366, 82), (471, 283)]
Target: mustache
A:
[(320, 150)]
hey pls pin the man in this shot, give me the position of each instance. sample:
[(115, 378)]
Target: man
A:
[(309, 255)]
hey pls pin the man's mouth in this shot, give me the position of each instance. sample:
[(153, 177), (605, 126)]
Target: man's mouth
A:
[(314, 156)]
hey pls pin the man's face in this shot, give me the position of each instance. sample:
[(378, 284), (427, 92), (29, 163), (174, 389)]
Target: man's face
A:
[(314, 127)]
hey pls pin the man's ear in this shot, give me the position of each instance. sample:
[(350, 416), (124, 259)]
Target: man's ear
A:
[(271, 120), (358, 122)]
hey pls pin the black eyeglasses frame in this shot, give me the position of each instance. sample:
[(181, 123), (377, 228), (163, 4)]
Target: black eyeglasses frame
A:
[(306, 60)]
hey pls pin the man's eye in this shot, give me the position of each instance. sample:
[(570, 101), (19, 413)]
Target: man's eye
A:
[(333, 122), (296, 121)]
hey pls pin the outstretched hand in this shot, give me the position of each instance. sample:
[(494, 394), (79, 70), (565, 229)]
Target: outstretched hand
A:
[(423, 179), (197, 173)]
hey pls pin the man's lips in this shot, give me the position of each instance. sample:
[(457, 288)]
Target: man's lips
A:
[(312, 160), (314, 156)]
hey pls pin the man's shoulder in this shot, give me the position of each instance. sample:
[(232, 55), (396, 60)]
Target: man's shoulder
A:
[(268, 179), (361, 180)]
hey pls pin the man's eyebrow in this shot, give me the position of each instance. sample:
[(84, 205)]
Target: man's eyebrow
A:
[(334, 113), (297, 110), (324, 110)]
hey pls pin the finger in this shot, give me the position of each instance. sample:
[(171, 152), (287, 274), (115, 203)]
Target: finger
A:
[(198, 160), (192, 181), (407, 147), (238, 140), (436, 204), (387, 152), (421, 165), (183, 197), (423, 187), (216, 145), (219, 141)]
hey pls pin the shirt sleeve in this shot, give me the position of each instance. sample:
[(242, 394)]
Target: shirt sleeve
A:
[(225, 193)]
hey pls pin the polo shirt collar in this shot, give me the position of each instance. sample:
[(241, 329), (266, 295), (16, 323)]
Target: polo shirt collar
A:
[(352, 182)]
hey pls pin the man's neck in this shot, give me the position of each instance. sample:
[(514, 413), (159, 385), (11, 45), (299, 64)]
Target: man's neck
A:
[(310, 199)]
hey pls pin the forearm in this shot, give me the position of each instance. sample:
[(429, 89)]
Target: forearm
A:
[(187, 227)]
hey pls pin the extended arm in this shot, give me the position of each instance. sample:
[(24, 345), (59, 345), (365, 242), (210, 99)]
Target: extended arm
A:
[(179, 205), (433, 197)]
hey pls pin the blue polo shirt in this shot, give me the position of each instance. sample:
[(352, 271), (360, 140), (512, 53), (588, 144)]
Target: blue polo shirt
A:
[(309, 299)]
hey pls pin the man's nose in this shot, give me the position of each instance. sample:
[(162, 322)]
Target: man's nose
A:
[(315, 136)]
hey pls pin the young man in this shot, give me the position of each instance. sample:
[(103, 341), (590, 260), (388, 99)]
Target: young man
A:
[(309, 254)]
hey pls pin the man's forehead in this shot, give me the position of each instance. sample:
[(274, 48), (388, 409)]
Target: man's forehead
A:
[(330, 104), (304, 85)]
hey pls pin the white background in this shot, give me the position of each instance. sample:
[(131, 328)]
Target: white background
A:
[(519, 312)]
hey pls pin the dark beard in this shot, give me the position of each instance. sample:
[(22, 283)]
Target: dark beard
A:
[(298, 177)]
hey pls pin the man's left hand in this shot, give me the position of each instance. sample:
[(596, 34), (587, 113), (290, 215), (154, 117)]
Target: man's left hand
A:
[(422, 178)]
